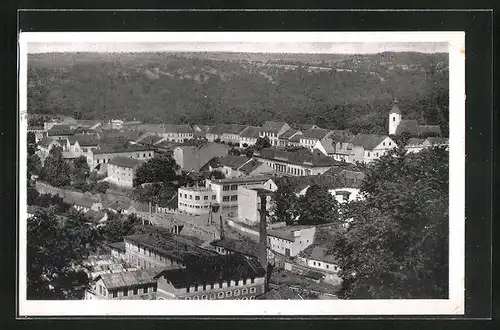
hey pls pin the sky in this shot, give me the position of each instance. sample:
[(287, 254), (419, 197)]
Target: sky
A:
[(255, 47)]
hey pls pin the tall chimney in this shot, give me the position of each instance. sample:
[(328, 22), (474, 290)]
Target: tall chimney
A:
[(263, 235)]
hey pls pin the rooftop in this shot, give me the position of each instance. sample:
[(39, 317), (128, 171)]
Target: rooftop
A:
[(288, 134), (287, 232), (233, 161), (121, 149), (367, 141), (214, 270), (94, 216), (196, 188), (240, 246), (120, 246), (300, 156), (273, 126), (251, 165), (241, 180), (83, 140), (125, 162), (60, 130), (45, 142), (250, 132), (315, 133), (282, 292), (129, 279)]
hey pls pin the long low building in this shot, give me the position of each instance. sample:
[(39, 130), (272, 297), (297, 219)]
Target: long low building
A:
[(98, 159)]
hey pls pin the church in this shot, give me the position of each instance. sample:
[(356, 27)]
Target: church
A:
[(398, 126)]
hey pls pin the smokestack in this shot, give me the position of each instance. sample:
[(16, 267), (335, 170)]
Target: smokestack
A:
[(263, 231)]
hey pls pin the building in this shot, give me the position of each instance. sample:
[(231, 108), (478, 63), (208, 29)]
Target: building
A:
[(81, 144), (295, 162), (85, 203), (193, 157), (416, 144), (176, 133), (99, 159), (227, 245), (44, 146), (236, 166), (304, 127), (89, 124), (136, 284), (289, 241), (226, 190), (60, 132), (232, 133), (249, 136), (309, 137), (96, 217), (273, 130), (369, 147), (290, 138), (121, 171), (195, 200), (398, 126), (225, 277), (38, 131), (161, 248), (249, 203)]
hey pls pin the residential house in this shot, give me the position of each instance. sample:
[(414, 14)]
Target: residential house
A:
[(193, 157), (232, 133), (281, 292), (417, 144), (249, 136), (214, 133), (227, 245), (226, 190), (60, 132), (309, 137), (44, 146), (85, 203), (398, 126), (289, 241), (273, 130), (304, 127), (136, 284), (225, 277), (287, 139), (118, 206), (295, 162), (121, 171), (99, 159), (38, 131), (176, 133), (369, 147), (89, 124), (336, 147), (81, 144), (236, 166)]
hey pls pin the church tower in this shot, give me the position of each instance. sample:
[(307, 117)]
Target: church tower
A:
[(394, 118)]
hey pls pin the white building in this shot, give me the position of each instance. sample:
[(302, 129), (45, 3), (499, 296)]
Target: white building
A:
[(289, 241), (121, 171), (369, 147)]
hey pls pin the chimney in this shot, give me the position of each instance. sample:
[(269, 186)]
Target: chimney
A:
[(263, 237)]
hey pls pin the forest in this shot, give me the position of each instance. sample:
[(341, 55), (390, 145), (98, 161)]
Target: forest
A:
[(354, 91)]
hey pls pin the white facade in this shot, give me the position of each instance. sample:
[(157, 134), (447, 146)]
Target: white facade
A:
[(288, 246), (195, 200), (394, 120)]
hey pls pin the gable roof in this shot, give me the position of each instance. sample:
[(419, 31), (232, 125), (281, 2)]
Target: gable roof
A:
[(367, 141), (289, 133), (46, 141), (85, 201), (250, 132), (94, 216), (414, 142), (273, 126), (127, 162), (300, 156), (149, 138), (128, 279), (233, 161), (315, 133), (250, 166), (395, 108), (84, 140), (60, 130), (306, 126), (426, 129), (408, 126), (245, 247), (328, 145), (109, 149)]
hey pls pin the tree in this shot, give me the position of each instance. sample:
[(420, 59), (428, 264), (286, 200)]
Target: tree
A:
[(31, 143), (32, 194), (317, 207), (80, 170), (262, 143), (161, 168), (56, 246), (55, 170), (34, 165), (118, 226), (234, 152), (285, 204), (397, 243)]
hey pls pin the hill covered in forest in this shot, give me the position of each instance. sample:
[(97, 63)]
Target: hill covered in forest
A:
[(331, 90)]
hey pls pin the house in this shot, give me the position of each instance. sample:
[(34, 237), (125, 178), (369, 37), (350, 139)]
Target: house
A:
[(295, 162), (286, 139), (369, 147), (398, 126), (149, 139), (231, 133), (417, 144), (96, 217), (121, 171), (38, 131), (81, 144), (193, 157), (32, 209), (336, 147), (226, 190), (309, 137), (45, 145), (214, 133), (289, 241), (84, 203), (117, 250), (98, 159), (60, 132), (218, 278), (118, 206), (273, 130), (137, 284), (249, 136), (176, 133), (236, 166)]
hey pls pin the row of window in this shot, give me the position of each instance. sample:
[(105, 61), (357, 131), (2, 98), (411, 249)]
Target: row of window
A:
[(211, 286), (230, 187), (222, 295), (152, 254), (197, 197), (227, 198), (194, 206), (135, 291), (335, 268), (138, 155), (262, 134)]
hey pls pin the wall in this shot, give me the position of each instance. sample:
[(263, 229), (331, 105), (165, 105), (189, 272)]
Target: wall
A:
[(243, 229), (95, 159), (187, 200), (121, 176), (249, 205), (147, 258), (143, 292), (191, 158)]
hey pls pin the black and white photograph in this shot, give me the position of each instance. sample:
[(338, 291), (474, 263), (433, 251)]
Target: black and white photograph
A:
[(223, 170)]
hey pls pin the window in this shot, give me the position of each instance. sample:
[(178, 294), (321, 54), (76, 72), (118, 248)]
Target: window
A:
[(149, 253), (314, 263), (252, 280), (376, 154), (244, 291), (220, 295), (327, 266), (205, 198), (229, 294), (368, 154), (197, 198), (125, 292), (225, 198), (212, 296), (234, 187), (393, 118), (390, 143), (234, 197), (190, 196), (225, 188), (213, 197), (135, 291), (100, 289), (319, 264), (204, 297), (252, 290), (196, 298), (383, 144), (185, 196), (115, 294), (236, 292)]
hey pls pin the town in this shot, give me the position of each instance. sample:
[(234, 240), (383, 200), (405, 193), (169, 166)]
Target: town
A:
[(228, 211)]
